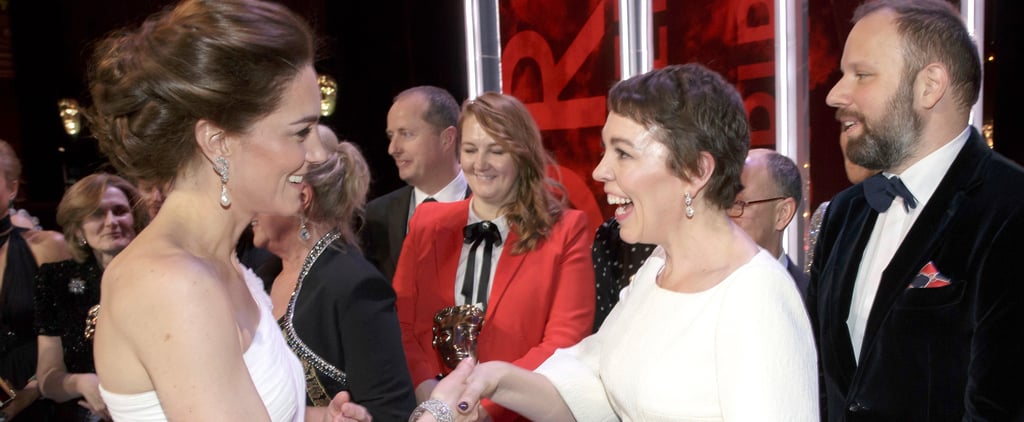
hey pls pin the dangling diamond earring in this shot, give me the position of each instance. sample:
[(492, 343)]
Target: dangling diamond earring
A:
[(303, 230), (221, 167), (689, 204)]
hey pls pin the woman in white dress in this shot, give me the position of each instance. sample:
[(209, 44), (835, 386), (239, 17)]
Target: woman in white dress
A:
[(218, 100), (712, 328)]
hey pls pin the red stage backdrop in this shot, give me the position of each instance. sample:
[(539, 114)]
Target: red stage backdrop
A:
[(561, 57), (733, 37)]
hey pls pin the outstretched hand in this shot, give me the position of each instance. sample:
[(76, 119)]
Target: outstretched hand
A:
[(483, 382), (342, 409), (452, 389)]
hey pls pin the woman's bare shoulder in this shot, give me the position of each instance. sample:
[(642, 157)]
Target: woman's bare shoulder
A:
[(148, 278)]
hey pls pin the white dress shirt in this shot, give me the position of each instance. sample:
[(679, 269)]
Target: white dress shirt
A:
[(460, 275), (921, 178)]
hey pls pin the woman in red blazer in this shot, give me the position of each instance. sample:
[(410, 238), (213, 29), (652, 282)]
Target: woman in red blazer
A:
[(539, 293)]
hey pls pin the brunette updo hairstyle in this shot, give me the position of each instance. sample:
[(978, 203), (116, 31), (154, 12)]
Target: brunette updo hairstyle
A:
[(227, 61)]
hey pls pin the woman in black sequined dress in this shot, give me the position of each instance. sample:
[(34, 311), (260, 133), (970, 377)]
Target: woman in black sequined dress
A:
[(100, 216)]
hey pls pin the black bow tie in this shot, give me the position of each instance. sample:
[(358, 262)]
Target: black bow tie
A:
[(880, 191), (474, 234), (484, 230)]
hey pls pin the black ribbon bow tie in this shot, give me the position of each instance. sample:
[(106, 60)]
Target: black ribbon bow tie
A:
[(880, 191), (474, 234), (484, 230)]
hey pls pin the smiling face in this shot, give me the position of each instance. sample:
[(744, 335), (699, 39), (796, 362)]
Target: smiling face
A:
[(636, 178), (109, 229), (417, 146), (489, 168), (874, 99), (267, 164)]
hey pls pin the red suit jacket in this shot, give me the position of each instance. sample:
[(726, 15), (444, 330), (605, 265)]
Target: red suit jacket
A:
[(540, 301)]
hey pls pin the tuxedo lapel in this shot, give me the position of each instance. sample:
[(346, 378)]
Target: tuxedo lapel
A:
[(921, 242), (508, 266), (843, 265)]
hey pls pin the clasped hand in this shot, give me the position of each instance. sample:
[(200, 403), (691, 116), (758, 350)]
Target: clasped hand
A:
[(463, 389)]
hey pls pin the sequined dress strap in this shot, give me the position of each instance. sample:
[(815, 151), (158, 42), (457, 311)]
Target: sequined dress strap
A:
[(312, 363)]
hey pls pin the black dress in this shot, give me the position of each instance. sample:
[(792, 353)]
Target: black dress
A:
[(64, 293), (342, 324), (615, 262), (18, 350)]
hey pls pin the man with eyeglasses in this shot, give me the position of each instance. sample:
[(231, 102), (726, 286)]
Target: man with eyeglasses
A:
[(770, 198)]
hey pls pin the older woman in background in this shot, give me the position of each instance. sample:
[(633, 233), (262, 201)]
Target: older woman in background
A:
[(336, 309), (512, 249), (100, 215), (711, 327), (21, 252)]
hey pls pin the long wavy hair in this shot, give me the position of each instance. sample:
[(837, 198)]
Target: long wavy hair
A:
[(535, 208)]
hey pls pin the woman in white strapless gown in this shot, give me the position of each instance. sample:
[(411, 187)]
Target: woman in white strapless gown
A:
[(271, 364), (217, 102)]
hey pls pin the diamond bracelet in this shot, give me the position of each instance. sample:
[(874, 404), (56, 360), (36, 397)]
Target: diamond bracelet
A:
[(437, 408)]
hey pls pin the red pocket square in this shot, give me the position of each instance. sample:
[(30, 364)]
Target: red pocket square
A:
[(928, 278)]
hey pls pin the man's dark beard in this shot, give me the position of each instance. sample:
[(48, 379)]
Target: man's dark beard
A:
[(897, 133)]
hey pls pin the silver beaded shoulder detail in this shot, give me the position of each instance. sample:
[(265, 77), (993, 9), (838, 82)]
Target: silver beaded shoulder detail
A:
[(291, 336)]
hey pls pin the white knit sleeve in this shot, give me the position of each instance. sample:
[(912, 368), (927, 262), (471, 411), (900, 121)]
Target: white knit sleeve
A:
[(574, 373)]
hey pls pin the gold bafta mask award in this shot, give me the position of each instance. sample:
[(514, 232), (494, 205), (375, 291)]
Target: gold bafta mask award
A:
[(328, 94), (456, 329), (69, 115)]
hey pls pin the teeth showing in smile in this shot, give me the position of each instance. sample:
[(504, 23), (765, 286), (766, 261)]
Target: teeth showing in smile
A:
[(618, 200), (622, 202), (294, 179)]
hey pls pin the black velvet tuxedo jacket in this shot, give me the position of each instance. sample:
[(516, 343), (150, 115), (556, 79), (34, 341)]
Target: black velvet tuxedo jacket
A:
[(387, 220), (929, 354)]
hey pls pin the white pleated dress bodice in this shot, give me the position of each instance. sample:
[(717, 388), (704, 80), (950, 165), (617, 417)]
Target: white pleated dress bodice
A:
[(275, 371)]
